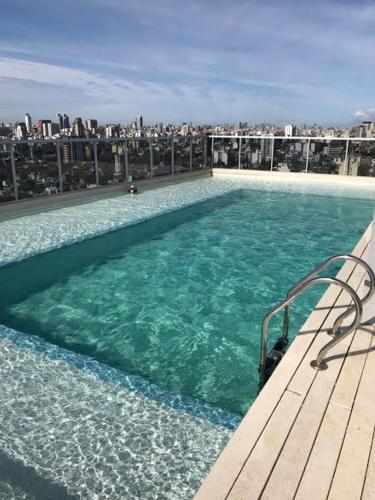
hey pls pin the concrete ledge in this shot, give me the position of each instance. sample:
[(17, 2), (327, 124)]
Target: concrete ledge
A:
[(30, 206), (300, 176)]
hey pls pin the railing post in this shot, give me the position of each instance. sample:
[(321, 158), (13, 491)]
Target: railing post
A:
[(14, 175), (212, 152), (59, 166), (126, 161), (151, 160), (307, 156), (96, 164), (191, 154), (273, 147), (204, 151), (172, 156), (239, 151), (346, 165)]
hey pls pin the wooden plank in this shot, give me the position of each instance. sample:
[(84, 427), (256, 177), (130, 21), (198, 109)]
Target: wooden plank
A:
[(318, 474), (322, 462), (348, 381), (352, 464), (369, 486), (294, 456), (250, 483)]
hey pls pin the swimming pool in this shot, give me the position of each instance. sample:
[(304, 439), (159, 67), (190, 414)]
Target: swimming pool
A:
[(137, 397), (179, 299)]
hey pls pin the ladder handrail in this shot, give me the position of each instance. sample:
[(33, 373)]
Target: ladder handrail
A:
[(288, 300), (318, 270)]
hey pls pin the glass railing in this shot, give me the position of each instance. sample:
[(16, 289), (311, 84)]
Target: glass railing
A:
[(182, 152), (327, 157), (78, 165), (111, 162), (199, 152), (139, 158), (319, 155), (289, 156), (361, 159), (161, 157), (36, 168), (225, 153), (7, 180)]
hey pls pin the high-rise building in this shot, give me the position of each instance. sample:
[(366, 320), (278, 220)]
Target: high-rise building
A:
[(91, 124), (60, 121), (21, 130), (28, 123), (66, 123), (290, 130), (109, 131), (47, 128), (42, 127), (78, 127), (139, 122)]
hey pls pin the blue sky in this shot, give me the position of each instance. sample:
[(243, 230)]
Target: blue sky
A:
[(199, 60)]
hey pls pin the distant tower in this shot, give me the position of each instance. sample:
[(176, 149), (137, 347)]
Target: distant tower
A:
[(28, 123), (91, 124), (290, 130), (46, 128), (21, 131), (66, 122), (78, 127), (139, 122), (60, 121)]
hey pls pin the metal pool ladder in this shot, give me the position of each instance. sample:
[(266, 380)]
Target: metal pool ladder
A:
[(268, 363)]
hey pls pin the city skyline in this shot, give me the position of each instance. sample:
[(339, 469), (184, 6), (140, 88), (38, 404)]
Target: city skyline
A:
[(205, 62)]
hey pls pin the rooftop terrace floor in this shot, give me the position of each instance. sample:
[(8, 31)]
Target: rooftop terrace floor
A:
[(309, 434)]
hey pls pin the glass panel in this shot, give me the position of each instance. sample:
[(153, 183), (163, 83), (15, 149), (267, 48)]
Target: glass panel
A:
[(226, 153), (78, 165), (327, 157), (162, 157), (289, 155), (6, 180), (139, 159), (256, 153), (181, 154), (36, 169), (111, 162), (199, 145), (361, 158)]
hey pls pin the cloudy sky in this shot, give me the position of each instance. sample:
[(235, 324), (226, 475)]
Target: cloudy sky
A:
[(206, 61)]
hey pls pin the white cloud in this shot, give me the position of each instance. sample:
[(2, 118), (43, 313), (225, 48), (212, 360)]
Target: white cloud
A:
[(369, 114)]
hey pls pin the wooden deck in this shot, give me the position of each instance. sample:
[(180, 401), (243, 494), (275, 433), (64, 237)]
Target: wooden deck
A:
[(309, 434)]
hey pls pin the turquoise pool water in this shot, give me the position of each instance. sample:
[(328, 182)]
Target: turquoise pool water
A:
[(179, 299)]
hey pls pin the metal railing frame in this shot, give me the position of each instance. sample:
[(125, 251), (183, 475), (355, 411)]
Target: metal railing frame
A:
[(124, 141), (296, 290), (306, 139), (319, 363), (321, 267)]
